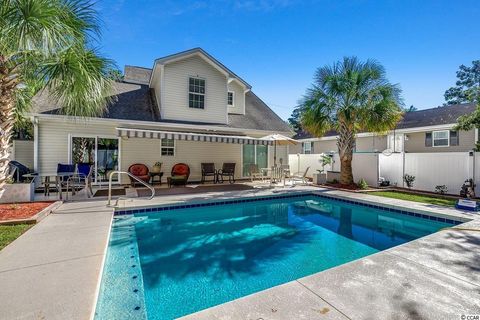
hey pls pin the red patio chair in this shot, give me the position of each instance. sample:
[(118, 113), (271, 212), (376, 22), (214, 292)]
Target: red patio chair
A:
[(140, 171), (179, 175)]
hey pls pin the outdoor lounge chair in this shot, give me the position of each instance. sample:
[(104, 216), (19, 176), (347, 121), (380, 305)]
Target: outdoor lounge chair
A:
[(208, 170), (179, 175), (228, 170), (300, 177), (140, 171), (255, 173)]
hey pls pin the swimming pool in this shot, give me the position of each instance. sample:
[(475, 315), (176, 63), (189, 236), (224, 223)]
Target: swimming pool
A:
[(169, 262)]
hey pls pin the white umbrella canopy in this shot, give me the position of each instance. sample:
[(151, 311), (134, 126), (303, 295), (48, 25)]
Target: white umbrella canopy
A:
[(281, 140)]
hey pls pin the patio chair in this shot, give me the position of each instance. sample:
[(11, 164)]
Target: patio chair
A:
[(179, 175), (140, 171), (255, 172), (300, 177), (228, 170), (81, 179), (208, 170), (66, 171)]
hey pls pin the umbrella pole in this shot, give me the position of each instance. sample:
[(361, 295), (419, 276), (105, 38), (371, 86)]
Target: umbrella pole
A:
[(275, 154)]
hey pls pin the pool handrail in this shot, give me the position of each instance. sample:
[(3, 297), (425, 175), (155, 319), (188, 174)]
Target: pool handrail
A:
[(133, 177)]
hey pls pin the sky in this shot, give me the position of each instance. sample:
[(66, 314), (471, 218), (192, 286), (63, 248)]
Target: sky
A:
[(276, 45)]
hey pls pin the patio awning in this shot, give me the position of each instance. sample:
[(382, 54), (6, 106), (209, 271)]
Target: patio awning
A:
[(188, 136)]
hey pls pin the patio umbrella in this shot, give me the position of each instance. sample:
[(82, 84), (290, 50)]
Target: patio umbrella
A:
[(280, 140)]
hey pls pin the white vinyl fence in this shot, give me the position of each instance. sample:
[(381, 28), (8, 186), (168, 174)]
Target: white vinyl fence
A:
[(22, 151), (364, 165), (430, 169)]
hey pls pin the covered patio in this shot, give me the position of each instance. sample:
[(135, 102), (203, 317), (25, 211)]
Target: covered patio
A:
[(250, 159)]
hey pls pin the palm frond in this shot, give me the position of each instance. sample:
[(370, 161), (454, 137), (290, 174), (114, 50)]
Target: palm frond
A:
[(77, 79), (356, 92)]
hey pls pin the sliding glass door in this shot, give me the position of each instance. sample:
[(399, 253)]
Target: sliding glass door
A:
[(100, 152), (254, 155)]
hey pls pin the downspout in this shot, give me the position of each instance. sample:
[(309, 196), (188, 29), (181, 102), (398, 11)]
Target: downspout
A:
[(35, 144), (35, 148)]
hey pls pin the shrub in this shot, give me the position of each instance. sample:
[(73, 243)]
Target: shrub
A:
[(362, 184), (441, 189), (409, 180)]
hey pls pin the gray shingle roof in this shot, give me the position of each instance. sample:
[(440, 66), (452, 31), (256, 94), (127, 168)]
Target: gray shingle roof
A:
[(139, 75), (257, 116), (137, 102), (421, 118), (132, 102)]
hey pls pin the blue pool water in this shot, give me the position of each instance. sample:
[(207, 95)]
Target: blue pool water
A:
[(166, 264)]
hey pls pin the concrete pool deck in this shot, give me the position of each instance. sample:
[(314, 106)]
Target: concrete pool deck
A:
[(52, 271)]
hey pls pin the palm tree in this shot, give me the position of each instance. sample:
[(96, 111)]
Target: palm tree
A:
[(350, 96), (48, 45)]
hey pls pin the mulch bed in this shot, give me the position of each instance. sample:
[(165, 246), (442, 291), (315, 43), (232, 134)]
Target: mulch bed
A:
[(343, 186), (188, 190), (13, 211)]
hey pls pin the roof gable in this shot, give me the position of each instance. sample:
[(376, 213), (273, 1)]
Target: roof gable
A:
[(205, 56)]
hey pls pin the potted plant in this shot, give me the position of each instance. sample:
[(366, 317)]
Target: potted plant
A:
[(409, 179), (157, 167), (321, 176)]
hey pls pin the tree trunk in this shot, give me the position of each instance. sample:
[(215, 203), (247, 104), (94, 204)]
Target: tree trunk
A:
[(346, 144), (7, 105)]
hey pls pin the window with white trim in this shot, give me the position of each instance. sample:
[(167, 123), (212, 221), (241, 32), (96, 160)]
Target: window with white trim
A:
[(230, 98), (196, 93), (441, 138), (167, 147), (307, 147)]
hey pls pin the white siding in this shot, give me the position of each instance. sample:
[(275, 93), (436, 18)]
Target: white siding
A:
[(175, 92), (194, 153), (157, 88), (23, 152), (53, 139), (53, 148), (239, 98)]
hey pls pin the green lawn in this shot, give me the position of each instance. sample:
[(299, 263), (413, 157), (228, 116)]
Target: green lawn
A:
[(8, 233), (414, 197)]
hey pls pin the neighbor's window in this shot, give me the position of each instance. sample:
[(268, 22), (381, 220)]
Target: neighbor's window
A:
[(441, 138), (167, 147), (196, 93), (230, 98), (307, 147)]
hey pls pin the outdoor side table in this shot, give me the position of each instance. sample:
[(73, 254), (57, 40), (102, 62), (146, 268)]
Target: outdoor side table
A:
[(155, 174)]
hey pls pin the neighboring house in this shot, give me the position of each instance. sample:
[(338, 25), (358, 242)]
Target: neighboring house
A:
[(188, 108), (429, 130)]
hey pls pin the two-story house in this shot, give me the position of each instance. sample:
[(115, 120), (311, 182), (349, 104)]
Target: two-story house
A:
[(187, 108)]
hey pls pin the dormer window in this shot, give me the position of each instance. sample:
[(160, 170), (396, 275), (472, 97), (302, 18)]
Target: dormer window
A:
[(196, 93), (230, 98)]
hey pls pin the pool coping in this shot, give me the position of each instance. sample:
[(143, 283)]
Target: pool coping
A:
[(462, 218)]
